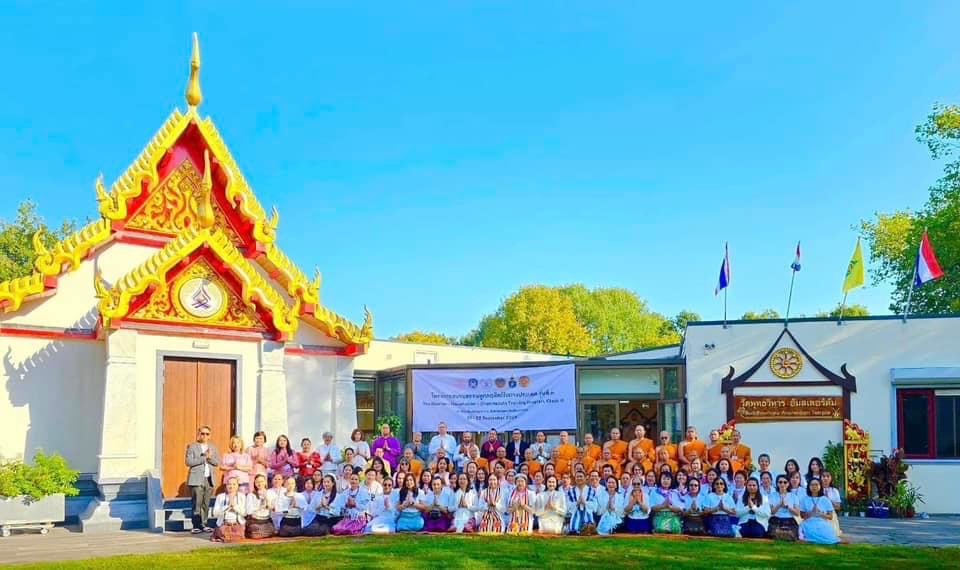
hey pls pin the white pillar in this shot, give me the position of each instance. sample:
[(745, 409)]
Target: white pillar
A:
[(272, 388), (344, 400), (120, 476)]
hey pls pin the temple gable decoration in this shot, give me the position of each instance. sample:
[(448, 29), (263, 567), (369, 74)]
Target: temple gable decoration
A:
[(185, 187), (784, 360)]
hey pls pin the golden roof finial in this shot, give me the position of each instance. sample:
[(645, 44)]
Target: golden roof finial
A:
[(194, 96), (205, 217)]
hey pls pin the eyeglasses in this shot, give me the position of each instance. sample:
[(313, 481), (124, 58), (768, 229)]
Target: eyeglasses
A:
[(204, 433)]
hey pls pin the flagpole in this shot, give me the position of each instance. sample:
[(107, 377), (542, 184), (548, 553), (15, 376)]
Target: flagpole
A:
[(910, 293), (843, 305), (725, 307), (786, 319)]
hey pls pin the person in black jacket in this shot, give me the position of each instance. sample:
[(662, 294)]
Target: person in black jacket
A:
[(517, 448)]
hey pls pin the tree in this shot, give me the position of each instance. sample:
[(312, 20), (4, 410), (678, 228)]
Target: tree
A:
[(894, 237), (424, 337), (16, 240), (680, 321), (764, 314), (536, 318), (849, 311), (576, 320)]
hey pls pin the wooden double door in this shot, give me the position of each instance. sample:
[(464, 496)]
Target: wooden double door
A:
[(196, 392)]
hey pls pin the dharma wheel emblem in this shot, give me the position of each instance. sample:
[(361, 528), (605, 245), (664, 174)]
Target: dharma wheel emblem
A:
[(201, 298), (786, 363)]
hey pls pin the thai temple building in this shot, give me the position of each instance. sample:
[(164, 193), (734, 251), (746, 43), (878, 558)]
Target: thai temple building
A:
[(174, 308)]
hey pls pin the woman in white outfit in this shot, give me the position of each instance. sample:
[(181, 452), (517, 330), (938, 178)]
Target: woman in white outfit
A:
[(383, 511), (464, 498), (610, 507), (551, 507)]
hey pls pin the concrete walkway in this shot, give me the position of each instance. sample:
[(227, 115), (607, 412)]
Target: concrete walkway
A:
[(67, 543)]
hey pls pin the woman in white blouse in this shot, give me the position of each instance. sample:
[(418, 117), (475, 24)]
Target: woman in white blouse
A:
[(325, 504), (610, 506), (286, 513), (383, 511), (435, 505), (783, 510), (637, 510), (817, 511), (520, 506), (753, 511), (353, 505), (693, 505), (718, 508), (464, 497), (230, 509), (551, 507), (360, 447)]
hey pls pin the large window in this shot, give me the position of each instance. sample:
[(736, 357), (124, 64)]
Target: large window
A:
[(928, 423)]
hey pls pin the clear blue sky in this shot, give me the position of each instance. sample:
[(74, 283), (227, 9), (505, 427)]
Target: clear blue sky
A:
[(431, 158)]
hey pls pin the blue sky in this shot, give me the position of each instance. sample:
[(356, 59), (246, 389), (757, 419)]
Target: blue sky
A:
[(431, 158)]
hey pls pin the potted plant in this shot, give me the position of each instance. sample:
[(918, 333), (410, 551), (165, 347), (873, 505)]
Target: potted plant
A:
[(33, 496), (904, 499)]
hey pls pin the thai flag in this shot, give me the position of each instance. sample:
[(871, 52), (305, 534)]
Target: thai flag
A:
[(724, 271), (927, 267), (796, 260)]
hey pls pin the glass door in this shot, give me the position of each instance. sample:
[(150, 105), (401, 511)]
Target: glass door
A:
[(598, 417)]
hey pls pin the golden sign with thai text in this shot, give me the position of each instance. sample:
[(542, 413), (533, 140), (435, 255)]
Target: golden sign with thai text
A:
[(788, 408)]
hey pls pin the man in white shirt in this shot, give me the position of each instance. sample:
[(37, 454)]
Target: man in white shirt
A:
[(330, 454), (442, 440)]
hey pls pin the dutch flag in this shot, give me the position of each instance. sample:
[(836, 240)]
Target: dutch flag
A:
[(927, 267), (724, 271), (796, 260)]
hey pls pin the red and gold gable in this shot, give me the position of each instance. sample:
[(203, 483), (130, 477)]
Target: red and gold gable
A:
[(198, 295)]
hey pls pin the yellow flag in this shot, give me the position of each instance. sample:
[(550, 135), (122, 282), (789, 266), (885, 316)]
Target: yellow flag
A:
[(854, 276)]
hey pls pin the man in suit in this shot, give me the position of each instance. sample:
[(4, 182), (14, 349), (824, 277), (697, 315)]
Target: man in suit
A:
[(517, 448), (202, 460)]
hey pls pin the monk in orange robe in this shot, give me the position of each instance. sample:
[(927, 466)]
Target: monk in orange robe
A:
[(665, 444), (640, 458), (564, 454), (663, 458), (590, 449), (617, 447), (691, 448), (713, 450), (740, 452), (646, 446), (533, 466), (608, 459), (735, 465)]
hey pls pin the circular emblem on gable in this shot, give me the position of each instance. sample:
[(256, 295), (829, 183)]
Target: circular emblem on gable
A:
[(786, 363), (201, 298)]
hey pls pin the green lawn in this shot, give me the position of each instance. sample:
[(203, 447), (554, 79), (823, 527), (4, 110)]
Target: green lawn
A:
[(451, 551)]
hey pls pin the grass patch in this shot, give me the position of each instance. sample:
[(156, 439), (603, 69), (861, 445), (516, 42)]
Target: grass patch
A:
[(453, 551)]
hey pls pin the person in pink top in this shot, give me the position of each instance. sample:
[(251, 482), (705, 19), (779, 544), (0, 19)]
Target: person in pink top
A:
[(283, 460), (237, 464), (259, 454)]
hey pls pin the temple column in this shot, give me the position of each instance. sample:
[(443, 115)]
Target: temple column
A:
[(120, 480), (272, 388), (344, 413)]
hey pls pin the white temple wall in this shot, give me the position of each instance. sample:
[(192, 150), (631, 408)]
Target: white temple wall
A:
[(51, 397), (310, 398)]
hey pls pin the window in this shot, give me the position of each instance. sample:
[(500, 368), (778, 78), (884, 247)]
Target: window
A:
[(928, 423)]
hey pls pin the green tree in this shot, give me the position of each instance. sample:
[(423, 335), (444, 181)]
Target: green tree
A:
[(854, 310), (425, 337), (680, 321), (16, 240), (535, 318), (618, 320), (764, 314), (894, 237)]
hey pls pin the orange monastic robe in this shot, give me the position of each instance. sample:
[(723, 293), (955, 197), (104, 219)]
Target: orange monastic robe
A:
[(740, 453), (713, 454), (617, 469), (566, 453), (695, 448), (649, 452), (592, 451), (671, 450), (671, 463), (533, 467), (618, 449)]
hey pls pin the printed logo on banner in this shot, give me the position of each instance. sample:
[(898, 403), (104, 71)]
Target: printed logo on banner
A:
[(524, 381), (513, 383), (501, 382), (472, 382)]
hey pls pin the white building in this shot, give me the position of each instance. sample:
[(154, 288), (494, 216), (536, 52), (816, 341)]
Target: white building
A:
[(175, 308)]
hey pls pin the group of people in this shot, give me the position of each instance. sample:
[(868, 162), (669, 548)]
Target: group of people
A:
[(692, 487)]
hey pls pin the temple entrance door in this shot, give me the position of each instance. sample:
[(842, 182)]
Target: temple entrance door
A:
[(633, 412), (598, 417), (195, 392)]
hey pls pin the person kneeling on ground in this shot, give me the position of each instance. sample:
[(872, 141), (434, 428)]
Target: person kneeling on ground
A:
[(229, 509)]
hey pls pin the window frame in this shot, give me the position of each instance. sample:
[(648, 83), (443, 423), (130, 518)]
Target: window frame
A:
[(931, 396)]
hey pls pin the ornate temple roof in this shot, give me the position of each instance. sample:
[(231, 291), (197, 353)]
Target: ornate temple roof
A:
[(183, 190)]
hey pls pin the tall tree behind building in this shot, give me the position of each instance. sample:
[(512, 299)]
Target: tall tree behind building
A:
[(894, 237)]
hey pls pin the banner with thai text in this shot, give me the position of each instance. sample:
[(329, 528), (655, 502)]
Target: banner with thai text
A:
[(526, 398)]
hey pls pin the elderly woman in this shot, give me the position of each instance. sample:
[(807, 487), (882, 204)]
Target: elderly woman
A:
[(359, 445), (329, 454), (237, 464), (230, 509)]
